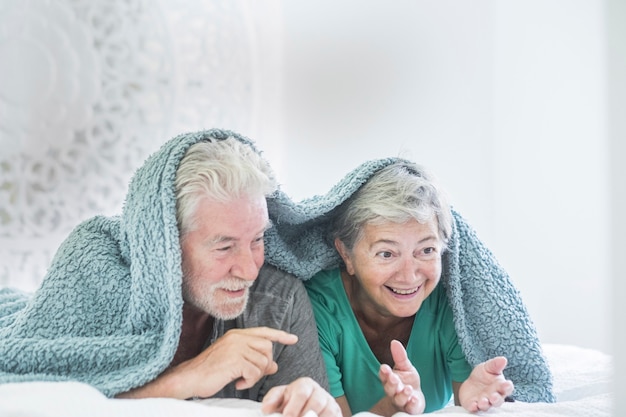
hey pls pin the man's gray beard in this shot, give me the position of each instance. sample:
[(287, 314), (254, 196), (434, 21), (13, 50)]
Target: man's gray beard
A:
[(227, 315), (214, 309)]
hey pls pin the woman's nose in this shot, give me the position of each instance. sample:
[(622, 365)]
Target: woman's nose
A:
[(411, 267)]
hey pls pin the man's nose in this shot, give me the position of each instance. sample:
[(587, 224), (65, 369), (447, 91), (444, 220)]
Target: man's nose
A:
[(246, 265)]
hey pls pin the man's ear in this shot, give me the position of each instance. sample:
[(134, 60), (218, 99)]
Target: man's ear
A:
[(345, 255)]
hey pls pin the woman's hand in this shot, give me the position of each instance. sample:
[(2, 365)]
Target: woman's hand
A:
[(486, 386), (402, 383)]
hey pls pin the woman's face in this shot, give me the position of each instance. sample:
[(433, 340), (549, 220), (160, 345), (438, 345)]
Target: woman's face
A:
[(397, 265)]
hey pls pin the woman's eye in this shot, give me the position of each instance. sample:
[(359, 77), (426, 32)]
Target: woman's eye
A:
[(384, 254)]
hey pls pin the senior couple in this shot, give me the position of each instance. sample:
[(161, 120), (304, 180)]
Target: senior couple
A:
[(191, 307)]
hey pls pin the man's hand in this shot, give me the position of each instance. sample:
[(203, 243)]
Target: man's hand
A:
[(298, 398), (401, 384), (241, 355), (486, 386)]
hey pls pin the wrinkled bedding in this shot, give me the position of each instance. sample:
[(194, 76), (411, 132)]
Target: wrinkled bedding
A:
[(582, 385)]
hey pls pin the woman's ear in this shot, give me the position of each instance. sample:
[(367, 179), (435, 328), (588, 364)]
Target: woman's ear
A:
[(345, 255)]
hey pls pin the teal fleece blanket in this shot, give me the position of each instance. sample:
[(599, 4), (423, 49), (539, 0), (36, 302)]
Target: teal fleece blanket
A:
[(109, 310)]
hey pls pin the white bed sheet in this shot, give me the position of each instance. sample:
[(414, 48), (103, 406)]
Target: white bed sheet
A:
[(582, 382)]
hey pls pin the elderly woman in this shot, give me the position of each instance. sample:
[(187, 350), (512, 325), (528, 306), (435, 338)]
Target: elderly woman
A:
[(385, 324)]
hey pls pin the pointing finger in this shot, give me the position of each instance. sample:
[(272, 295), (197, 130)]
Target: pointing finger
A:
[(274, 335), (400, 358)]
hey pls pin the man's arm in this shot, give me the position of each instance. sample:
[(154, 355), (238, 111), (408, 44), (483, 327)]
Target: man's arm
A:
[(242, 355), (164, 385)]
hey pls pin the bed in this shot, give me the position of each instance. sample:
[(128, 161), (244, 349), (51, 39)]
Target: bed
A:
[(582, 383)]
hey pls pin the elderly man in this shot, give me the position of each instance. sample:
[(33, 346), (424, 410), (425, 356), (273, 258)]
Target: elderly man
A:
[(172, 299)]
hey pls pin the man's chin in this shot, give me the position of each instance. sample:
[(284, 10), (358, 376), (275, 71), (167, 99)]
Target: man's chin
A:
[(230, 311)]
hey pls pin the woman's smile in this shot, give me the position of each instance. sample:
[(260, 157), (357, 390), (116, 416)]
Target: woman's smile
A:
[(402, 292)]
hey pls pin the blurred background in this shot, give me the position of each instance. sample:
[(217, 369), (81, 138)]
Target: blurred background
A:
[(517, 107)]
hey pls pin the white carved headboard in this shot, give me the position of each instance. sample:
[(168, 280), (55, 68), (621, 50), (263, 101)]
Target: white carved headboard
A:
[(88, 88)]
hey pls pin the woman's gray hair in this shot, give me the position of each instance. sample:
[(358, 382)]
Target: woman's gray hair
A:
[(397, 193), (221, 170)]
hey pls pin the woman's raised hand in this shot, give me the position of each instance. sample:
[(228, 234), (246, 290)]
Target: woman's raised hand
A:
[(402, 383)]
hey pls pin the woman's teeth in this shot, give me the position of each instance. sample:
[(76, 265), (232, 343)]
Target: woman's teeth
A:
[(404, 292)]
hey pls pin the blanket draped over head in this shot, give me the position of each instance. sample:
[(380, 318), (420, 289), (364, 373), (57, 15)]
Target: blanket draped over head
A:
[(109, 310)]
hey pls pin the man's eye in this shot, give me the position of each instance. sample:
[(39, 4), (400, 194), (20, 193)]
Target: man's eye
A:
[(430, 250), (224, 248)]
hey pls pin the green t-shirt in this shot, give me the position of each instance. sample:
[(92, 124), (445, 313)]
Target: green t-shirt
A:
[(433, 347)]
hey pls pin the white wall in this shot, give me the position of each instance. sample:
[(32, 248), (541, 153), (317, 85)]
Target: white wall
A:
[(616, 12), (504, 101), (551, 157)]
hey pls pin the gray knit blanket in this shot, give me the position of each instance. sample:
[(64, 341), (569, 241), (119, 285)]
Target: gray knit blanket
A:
[(109, 309)]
